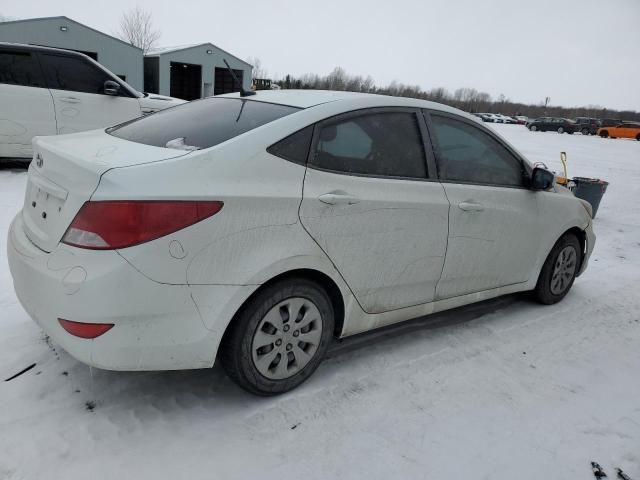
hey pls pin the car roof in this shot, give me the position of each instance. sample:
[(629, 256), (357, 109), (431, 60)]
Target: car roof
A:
[(311, 98), (40, 48)]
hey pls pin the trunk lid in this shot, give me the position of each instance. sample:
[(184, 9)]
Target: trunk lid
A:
[(65, 172)]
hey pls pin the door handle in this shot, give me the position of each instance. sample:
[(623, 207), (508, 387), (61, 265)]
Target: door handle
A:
[(471, 206), (338, 198), (70, 99)]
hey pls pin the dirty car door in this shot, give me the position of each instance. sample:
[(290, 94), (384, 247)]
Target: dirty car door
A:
[(26, 107), (494, 223), (370, 204), (77, 87)]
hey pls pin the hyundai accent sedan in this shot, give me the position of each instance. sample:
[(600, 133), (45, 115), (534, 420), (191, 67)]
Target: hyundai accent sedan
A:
[(253, 230)]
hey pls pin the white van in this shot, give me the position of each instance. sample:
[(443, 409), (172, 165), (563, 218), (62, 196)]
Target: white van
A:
[(49, 91)]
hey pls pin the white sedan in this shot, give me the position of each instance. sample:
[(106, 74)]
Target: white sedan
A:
[(49, 91), (255, 229)]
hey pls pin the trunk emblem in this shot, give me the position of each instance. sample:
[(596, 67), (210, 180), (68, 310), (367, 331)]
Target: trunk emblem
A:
[(39, 160)]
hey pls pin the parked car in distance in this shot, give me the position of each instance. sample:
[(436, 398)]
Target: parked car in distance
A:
[(521, 119), (490, 118), (546, 124), (587, 125), (292, 218), (49, 91), (610, 122), (622, 130), (506, 118)]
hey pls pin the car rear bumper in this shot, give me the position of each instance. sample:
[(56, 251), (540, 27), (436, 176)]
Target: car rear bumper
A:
[(156, 326)]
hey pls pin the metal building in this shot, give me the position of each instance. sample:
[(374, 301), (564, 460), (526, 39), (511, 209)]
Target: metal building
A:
[(193, 71), (121, 58)]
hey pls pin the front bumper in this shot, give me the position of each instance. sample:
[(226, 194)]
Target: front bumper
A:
[(157, 326), (590, 244)]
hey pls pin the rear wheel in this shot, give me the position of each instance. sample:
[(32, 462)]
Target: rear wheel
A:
[(533, 128), (638, 137), (585, 131), (559, 270), (560, 130), (279, 337), (604, 134)]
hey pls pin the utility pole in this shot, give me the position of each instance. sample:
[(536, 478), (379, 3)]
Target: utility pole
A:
[(546, 102)]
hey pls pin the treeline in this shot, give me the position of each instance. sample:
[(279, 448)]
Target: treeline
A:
[(467, 99)]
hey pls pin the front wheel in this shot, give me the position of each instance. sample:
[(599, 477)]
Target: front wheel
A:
[(604, 134), (585, 131), (560, 130), (638, 137), (279, 337), (533, 128), (559, 270)]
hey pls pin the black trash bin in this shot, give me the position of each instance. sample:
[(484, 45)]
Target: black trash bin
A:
[(591, 190)]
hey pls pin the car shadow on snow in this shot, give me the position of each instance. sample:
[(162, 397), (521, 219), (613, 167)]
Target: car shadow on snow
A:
[(172, 391)]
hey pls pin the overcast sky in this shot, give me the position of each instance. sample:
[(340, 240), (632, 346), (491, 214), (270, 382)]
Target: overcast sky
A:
[(578, 52)]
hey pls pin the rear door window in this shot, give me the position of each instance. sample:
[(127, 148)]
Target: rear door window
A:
[(201, 123), (20, 68), (385, 144)]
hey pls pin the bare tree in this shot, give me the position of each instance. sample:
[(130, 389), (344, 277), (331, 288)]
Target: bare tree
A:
[(258, 70), (466, 98), (136, 28)]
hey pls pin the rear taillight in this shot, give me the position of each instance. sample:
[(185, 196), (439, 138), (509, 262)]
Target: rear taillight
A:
[(85, 330), (107, 225)]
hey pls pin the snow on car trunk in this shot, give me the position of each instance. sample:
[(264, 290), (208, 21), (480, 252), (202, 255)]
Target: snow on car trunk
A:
[(65, 172)]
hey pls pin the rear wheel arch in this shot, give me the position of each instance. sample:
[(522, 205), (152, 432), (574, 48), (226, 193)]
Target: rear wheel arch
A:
[(322, 279)]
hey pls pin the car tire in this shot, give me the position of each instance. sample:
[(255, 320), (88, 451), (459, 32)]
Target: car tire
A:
[(604, 134), (638, 137), (533, 128), (241, 352), (559, 270), (560, 130), (585, 131)]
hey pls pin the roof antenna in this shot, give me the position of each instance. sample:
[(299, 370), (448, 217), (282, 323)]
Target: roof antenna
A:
[(243, 92)]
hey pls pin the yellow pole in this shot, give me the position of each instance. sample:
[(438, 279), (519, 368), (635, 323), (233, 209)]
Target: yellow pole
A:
[(563, 159)]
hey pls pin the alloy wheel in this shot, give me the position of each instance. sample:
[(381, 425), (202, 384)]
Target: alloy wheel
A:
[(564, 270)]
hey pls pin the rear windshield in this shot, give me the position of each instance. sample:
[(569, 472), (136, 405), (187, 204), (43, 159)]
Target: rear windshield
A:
[(200, 124)]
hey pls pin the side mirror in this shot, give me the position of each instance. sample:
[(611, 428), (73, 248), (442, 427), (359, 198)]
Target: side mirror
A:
[(111, 87), (541, 179)]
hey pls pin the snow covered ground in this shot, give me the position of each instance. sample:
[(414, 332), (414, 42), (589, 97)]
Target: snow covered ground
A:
[(505, 390)]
